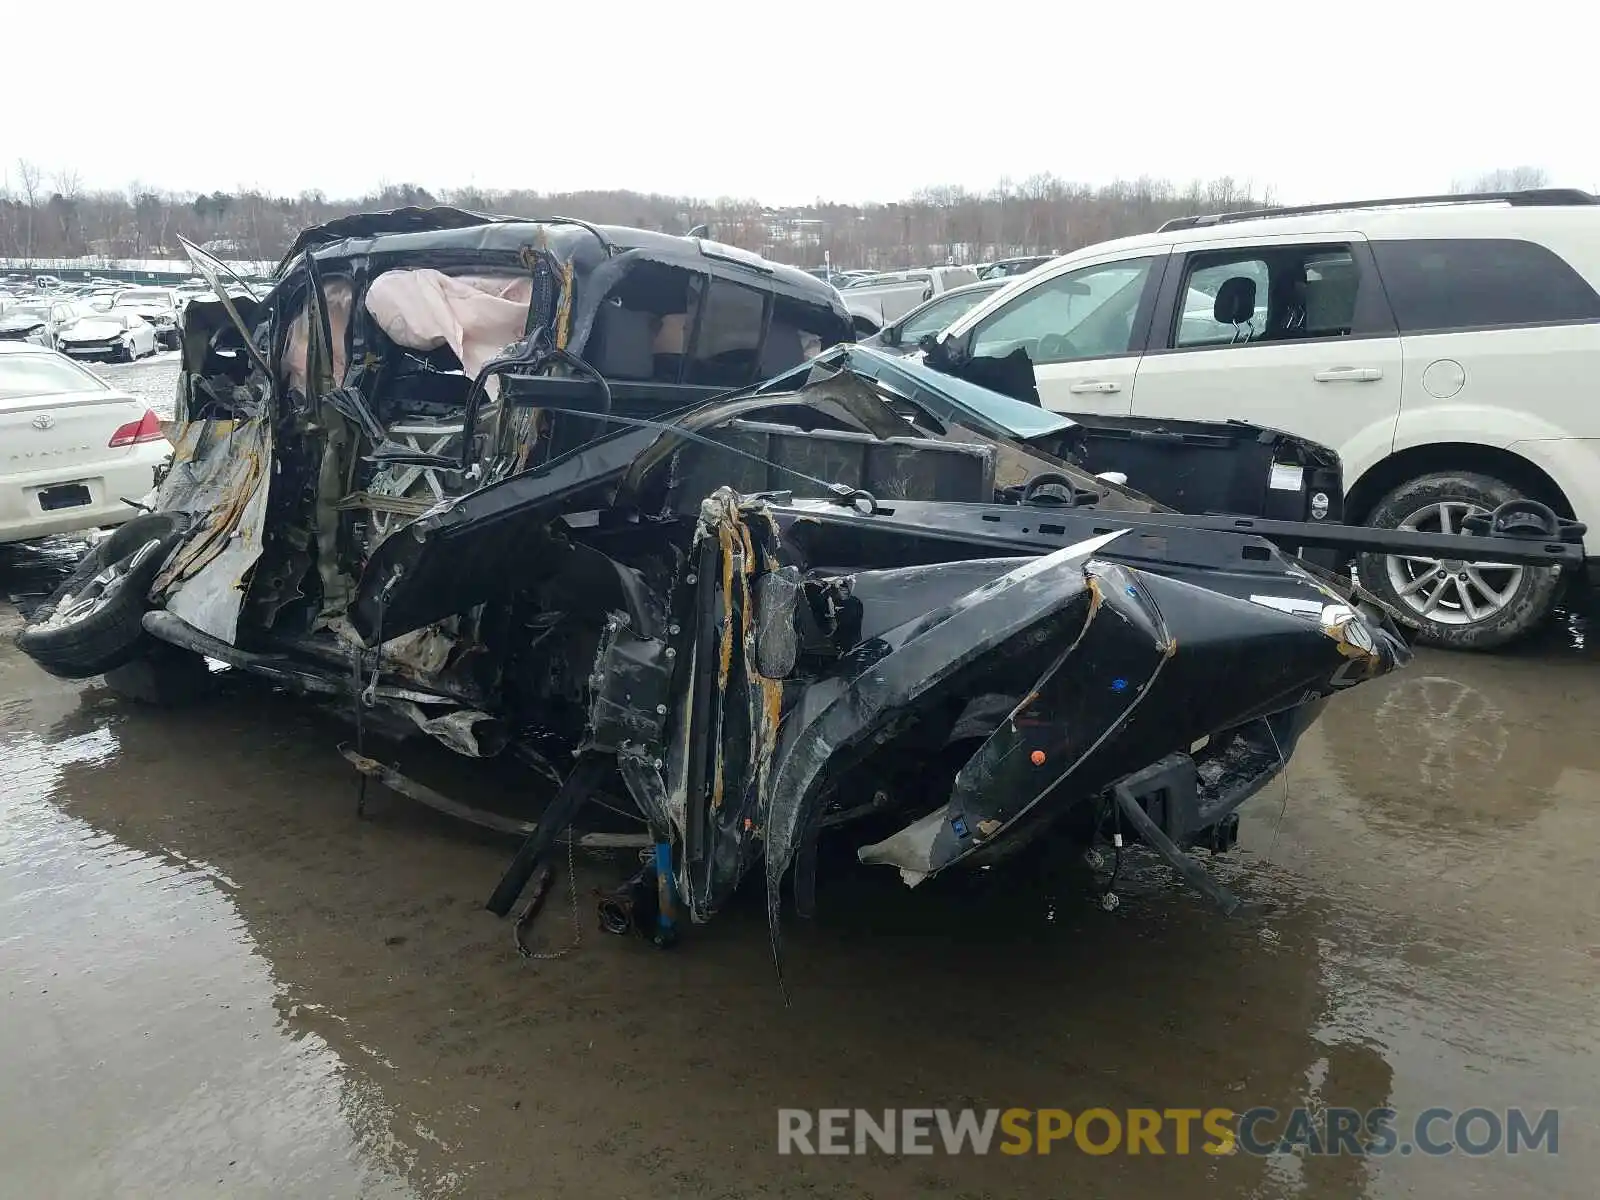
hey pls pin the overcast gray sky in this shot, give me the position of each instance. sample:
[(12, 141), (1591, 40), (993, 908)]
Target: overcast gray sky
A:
[(790, 102)]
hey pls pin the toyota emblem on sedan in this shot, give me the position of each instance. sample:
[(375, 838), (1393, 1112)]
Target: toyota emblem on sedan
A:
[(44, 421)]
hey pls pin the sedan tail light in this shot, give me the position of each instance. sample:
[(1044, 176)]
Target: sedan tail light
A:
[(146, 429)]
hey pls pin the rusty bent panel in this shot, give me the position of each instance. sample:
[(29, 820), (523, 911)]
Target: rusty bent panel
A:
[(219, 467)]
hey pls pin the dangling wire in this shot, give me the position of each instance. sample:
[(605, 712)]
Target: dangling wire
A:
[(1283, 765)]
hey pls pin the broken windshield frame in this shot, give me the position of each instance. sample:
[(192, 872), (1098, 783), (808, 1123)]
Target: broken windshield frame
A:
[(212, 270)]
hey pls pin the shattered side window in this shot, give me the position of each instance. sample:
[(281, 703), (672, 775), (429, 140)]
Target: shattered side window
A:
[(340, 298), (728, 334)]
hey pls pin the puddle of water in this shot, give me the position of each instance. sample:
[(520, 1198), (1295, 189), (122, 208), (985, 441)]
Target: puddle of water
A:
[(1569, 632), (215, 972), (143, 1047), (1443, 822)]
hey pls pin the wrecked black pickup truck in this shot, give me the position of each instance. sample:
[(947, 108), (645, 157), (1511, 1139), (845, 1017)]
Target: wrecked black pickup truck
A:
[(516, 485)]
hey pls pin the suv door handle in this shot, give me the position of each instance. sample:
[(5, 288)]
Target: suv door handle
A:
[(1103, 387), (1349, 375)]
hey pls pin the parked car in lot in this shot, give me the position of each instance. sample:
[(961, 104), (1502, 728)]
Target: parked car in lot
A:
[(116, 334), (876, 300), (159, 306), (72, 448), (928, 318), (1004, 268), (833, 275), (37, 321), (1442, 344)]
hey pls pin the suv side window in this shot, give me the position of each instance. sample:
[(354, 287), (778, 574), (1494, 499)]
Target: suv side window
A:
[(1197, 321), (1268, 294), (1087, 313), (1436, 285)]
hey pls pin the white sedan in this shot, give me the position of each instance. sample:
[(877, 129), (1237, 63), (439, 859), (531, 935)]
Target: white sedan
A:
[(118, 334), (159, 306), (35, 320), (72, 448)]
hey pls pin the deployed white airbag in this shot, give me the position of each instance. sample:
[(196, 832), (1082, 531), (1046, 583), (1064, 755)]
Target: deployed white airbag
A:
[(477, 316)]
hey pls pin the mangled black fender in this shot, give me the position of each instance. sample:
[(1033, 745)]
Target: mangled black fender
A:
[(1041, 608), (1068, 715), (1145, 677)]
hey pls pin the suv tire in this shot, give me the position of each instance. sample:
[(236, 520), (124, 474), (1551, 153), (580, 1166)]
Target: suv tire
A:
[(95, 620), (1455, 605)]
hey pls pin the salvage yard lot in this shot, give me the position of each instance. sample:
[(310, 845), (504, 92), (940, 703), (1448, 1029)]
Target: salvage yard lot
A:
[(219, 981), (154, 379)]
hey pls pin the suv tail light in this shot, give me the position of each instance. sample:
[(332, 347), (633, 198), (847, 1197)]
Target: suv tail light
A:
[(146, 429)]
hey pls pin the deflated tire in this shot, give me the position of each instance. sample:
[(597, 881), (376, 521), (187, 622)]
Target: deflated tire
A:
[(94, 620)]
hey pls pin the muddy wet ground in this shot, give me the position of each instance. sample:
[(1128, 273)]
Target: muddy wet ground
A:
[(218, 981)]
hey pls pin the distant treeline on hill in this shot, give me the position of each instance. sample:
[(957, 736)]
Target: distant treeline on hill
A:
[(53, 217), (1042, 214)]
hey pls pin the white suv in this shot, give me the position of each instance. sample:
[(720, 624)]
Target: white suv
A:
[(1447, 346)]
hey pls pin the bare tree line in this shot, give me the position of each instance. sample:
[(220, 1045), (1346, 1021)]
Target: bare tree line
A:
[(1505, 179), (52, 216)]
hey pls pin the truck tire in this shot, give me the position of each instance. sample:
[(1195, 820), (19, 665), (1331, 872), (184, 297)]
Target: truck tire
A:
[(93, 622), (1456, 605)]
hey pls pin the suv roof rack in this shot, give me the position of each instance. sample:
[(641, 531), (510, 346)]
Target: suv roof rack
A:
[(1527, 196)]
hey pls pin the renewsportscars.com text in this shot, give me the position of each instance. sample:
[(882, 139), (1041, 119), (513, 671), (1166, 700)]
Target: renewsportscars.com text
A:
[(1375, 1132)]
